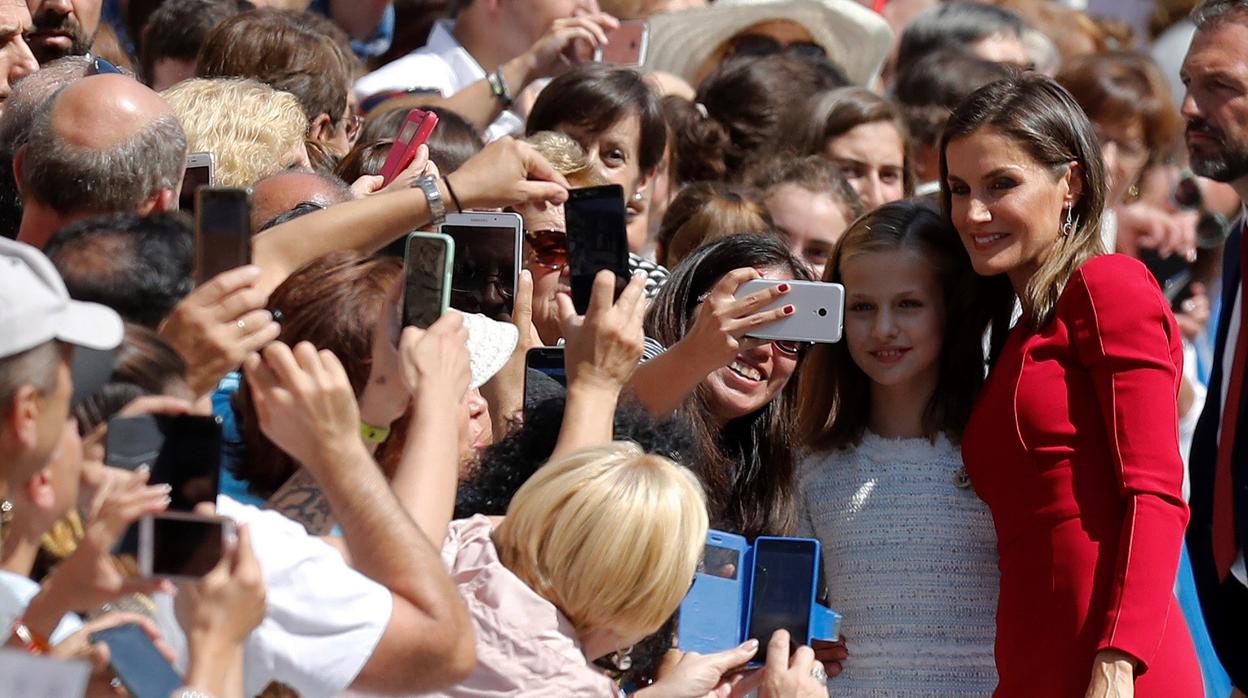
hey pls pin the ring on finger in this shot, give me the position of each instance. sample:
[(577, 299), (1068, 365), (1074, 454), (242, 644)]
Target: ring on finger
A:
[(242, 324), (818, 672)]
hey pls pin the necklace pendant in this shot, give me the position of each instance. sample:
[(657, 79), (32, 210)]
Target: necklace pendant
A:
[(962, 479)]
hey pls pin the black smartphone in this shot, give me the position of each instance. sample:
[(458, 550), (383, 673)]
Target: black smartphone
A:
[(182, 450), (222, 231), (180, 546), (426, 278), (1173, 274), (597, 239), (137, 663), (487, 260), (783, 589), (198, 174), (548, 361)]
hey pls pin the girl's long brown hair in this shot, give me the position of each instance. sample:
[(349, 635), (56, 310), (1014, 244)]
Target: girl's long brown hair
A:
[(835, 394)]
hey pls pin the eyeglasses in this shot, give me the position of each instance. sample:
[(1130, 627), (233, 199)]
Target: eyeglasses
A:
[(763, 45), (1212, 228), (549, 248), (790, 347), (100, 66)]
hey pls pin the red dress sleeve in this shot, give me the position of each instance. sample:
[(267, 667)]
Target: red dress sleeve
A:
[(1128, 340)]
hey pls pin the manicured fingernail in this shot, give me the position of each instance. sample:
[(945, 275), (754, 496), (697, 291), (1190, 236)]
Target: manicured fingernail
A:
[(788, 310), (784, 288), (750, 644), (164, 487)]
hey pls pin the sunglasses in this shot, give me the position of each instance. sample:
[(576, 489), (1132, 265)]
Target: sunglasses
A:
[(100, 66), (763, 45), (790, 347), (549, 248)]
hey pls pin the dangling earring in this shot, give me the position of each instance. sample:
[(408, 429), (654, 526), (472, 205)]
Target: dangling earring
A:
[(6, 516), (1069, 225)]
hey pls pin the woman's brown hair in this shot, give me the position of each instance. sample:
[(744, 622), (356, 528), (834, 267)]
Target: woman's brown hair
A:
[(335, 303), (834, 393), (707, 211), (1045, 121), (1124, 87)]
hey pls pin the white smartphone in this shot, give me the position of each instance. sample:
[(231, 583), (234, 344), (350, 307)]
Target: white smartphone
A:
[(626, 45), (487, 261), (182, 546), (818, 310), (199, 173)]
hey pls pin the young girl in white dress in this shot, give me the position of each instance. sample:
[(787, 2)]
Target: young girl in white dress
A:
[(909, 551)]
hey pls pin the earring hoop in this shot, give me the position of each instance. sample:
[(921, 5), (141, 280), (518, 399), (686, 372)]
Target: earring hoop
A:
[(1069, 224)]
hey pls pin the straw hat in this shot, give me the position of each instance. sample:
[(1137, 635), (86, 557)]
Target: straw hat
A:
[(855, 37)]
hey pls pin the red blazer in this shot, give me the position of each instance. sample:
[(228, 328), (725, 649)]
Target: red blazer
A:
[(1073, 444)]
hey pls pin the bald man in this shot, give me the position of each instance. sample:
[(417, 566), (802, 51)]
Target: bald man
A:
[(107, 144), (279, 193), (16, 60)]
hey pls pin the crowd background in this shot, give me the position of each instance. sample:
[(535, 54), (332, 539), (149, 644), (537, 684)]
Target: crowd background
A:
[(1022, 461)]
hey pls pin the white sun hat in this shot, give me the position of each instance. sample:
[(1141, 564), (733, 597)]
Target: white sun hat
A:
[(490, 345), (854, 37)]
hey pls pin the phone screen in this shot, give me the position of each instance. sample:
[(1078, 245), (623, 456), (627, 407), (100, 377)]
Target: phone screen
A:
[(548, 361), (185, 547), (784, 573), (720, 562), (222, 231), (137, 663), (424, 291), (195, 177), (597, 239), (183, 451), (484, 276)]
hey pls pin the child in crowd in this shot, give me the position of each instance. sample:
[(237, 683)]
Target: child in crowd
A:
[(908, 549)]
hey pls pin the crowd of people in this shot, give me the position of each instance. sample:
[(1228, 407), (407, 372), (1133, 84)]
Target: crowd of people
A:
[(1022, 460)]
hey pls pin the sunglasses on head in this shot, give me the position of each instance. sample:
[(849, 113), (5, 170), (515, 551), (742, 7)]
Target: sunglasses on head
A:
[(550, 247), (100, 66), (763, 45)]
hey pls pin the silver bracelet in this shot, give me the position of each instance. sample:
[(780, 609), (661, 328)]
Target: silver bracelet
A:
[(187, 692)]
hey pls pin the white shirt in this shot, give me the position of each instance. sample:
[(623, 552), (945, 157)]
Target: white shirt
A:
[(324, 619), (442, 64), (16, 592)]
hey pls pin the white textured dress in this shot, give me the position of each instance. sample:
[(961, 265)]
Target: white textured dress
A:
[(911, 563)]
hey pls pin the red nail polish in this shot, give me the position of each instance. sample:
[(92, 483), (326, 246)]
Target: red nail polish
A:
[(784, 288), (788, 310)]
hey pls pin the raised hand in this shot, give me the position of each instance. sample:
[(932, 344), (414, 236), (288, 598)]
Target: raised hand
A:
[(504, 173), (603, 346)]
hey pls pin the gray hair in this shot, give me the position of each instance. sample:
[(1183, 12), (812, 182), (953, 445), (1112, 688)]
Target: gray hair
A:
[(36, 367), (69, 178), (1213, 12), (30, 96)]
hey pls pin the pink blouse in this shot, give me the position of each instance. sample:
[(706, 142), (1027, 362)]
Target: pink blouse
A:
[(525, 646)]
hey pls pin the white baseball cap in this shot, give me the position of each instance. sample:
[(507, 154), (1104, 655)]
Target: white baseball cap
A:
[(35, 307)]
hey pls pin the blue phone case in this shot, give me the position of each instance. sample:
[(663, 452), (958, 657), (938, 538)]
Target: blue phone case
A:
[(712, 613), (136, 661)]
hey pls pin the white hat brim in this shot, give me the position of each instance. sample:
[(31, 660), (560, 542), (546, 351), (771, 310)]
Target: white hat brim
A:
[(855, 38), (490, 346), (90, 325)]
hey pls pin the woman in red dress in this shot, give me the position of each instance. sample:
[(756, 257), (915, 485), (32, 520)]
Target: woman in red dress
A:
[(1073, 443)]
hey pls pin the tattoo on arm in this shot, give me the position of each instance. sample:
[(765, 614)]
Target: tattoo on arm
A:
[(301, 499)]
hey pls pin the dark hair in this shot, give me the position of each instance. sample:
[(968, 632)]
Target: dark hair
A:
[(1210, 13), (286, 50), (177, 29), (453, 142), (834, 391), (323, 159), (138, 266), (954, 25), (365, 158), (747, 465), (143, 365), (706, 211), (334, 302), (812, 173), (739, 111), (1124, 87), (836, 112), (928, 89), (507, 464), (594, 97), (1045, 121)]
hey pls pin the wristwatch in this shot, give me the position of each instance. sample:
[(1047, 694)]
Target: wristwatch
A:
[(429, 185)]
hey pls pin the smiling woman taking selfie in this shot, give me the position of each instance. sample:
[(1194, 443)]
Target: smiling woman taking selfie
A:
[(1073, 442)]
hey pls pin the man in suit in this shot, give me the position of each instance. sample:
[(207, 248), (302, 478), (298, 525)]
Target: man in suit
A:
[(1216, 111)]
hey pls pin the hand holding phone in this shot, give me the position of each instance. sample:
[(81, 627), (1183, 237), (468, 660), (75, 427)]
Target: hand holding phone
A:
[(626, 44), (182, 547), (427, 278), (137, 663), (414, 132), (818, 310)]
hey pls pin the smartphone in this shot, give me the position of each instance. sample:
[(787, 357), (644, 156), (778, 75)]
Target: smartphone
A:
[(712, 612), (182, 546), (626, 45), (783, 589), (549, 361), (1173, 274), (222, 231), (140, 667), (413, 133), (182, 451), (199, 173), (597, 239), (427, 267), (487, 260), (818, 310)]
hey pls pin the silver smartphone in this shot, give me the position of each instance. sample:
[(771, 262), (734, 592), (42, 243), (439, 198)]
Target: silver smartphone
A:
[(182, 546), (818, 310), (199, 173), (487, 261)]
